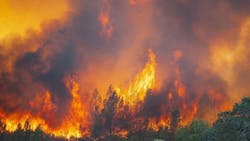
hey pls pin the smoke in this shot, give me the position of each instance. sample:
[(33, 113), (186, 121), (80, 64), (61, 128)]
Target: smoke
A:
[(201, 50)]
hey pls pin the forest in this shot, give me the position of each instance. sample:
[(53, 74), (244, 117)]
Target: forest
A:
[(231, 125)]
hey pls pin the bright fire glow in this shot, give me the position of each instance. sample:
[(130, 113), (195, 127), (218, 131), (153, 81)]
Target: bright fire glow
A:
[(144, 81), (16, 19)]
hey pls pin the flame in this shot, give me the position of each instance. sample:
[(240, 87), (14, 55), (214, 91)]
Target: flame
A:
[(157, 124), (41, 107), (122, 133), (144, 81), (74, 124), (180, 88), (15, 120), (76, 119), (105, 20)]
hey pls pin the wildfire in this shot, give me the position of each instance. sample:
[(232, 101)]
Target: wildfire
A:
[(144, 81), (156, 124), (74, 124), (16, 121), (105, 20), (38, 60), (77, 121)]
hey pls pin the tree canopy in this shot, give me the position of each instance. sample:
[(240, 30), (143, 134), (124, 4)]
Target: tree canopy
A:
[(231, 125)]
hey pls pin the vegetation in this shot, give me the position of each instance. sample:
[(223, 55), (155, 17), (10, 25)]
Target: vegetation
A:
[(230, 126)]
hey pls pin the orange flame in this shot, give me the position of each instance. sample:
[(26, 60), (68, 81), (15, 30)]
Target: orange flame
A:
[(74, 124), (144, 81), (77, 117), (105, 20)]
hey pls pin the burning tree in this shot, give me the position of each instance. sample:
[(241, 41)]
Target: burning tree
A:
[(103, 121)]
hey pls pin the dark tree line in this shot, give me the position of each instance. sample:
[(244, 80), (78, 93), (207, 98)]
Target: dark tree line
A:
[(230, 126), (25, 134)]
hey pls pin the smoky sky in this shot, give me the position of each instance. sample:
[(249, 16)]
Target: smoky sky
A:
[(43, 59)]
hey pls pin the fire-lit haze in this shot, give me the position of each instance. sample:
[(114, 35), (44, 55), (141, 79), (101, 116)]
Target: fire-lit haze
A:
[(63, 62), (18, 17)]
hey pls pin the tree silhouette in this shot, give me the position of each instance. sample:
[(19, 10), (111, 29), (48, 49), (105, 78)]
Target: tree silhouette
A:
[(175, 119), (234, 125), (103, 120), (109, 111)]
